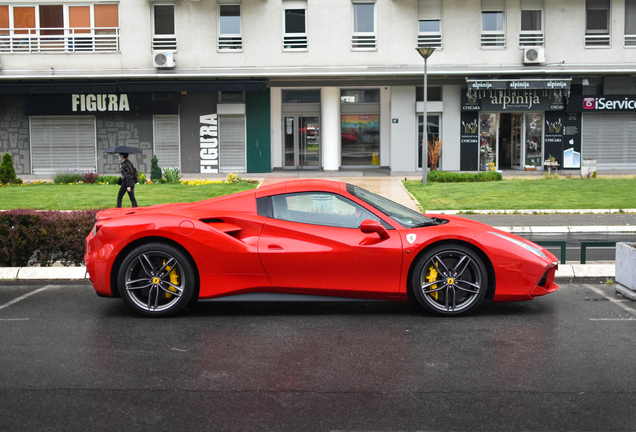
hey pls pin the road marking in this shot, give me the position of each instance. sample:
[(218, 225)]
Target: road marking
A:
[(612, 319), (14, 319), (6, 305), (613, 300)]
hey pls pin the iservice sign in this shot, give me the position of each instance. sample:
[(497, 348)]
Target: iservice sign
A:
[(610, 103)]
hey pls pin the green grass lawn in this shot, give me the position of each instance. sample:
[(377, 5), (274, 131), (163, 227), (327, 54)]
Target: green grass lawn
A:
[(90, 196), (527, 194)]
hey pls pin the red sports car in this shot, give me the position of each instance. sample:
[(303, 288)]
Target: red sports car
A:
[(308, 239)]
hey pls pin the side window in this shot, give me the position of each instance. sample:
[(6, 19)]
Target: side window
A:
[(320, 208)]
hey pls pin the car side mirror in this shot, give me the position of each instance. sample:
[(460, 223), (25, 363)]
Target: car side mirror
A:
[(369, 226)]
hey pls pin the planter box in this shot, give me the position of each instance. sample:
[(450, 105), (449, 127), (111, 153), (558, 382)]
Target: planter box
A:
[(626, 270), (530, 168)]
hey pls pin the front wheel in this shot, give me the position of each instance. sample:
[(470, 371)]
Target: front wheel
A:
[(156, 280), (449, 280)]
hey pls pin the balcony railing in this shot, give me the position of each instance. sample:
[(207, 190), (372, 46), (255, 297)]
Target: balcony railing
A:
[(295, 42), (598, 41), (230, 43), (493, 40), (429, 40), (164, 43), (363, 42), (55, 40), (630, 41), (531, 39)]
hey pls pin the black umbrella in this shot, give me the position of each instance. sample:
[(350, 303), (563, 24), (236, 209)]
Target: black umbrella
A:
[(122, 149)]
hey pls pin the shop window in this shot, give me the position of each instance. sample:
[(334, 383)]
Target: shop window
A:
[(630, 23), (360, 139), (36, 29), (301, 96), (230, 37), (597, 23), (531, 23), (164, 34), (295, 25), (360, 96), (433, 140), (363, 37), (429, 23), (493, 33), (433, 93)]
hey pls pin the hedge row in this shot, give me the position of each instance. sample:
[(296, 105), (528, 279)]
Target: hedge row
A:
[(29, 237), (457, 177)]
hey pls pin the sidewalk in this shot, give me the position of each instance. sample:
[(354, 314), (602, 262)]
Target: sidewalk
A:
[(389, 185)]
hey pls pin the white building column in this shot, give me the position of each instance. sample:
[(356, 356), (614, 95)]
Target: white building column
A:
[(330, 113)]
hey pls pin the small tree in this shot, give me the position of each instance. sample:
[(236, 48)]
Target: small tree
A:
[(155, 171), (7, 172)]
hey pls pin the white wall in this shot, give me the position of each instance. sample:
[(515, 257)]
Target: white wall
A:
[(404, 132), (451, 123)]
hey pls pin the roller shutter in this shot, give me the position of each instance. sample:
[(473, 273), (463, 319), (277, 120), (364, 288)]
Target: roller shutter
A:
[(166, 137), (232, 156), (63, 143), (610, 138)]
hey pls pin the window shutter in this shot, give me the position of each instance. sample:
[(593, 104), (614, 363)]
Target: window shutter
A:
[(232, 156), (166, 135), (493, 5), (608, 138), (63, 143), (531, 5), (429, 9)]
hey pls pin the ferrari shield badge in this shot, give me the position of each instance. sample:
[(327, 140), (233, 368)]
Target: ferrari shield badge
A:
[(411, 238)]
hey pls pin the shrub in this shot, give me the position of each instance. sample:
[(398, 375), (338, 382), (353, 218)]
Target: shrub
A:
[(66, 177), (89, 177), (110, 179), (29, 237), (7, 172), (456, 177), (142, 178), (155, 171), (172, 175)]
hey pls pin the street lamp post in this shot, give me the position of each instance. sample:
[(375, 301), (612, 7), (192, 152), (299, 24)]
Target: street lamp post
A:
[(425, 52)]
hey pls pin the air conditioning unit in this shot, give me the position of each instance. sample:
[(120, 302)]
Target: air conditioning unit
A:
[(533, 55), (163, 59)]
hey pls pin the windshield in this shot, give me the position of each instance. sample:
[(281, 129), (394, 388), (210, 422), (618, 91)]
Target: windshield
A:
[(404, 216)]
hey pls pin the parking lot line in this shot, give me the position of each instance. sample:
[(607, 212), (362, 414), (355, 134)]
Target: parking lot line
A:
[(14, 319), (612, 319), (611, 299), (14, 301)]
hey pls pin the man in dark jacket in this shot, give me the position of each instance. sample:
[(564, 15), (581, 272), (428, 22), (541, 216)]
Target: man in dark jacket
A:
[(127, 180)]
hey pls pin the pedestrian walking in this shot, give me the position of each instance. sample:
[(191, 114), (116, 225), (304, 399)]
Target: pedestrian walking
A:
[(127, 180)]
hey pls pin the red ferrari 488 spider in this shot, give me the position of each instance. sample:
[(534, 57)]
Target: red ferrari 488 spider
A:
[(308, 239)]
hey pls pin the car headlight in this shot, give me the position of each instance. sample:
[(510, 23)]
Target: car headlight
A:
[(526, 246)]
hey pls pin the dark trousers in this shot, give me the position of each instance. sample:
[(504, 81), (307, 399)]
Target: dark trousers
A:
[(131, 194)]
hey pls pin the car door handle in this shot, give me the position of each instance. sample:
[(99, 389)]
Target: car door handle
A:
[(274, 247)]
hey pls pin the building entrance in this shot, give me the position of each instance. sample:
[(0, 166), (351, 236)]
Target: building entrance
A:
[(301, 135)]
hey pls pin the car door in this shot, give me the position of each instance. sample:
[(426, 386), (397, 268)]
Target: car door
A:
[(313, 243)]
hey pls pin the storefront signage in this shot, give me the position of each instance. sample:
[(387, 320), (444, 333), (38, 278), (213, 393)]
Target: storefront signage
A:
[(550, 84), (209, 144), (513, 100), (99, 102), (609, 103)]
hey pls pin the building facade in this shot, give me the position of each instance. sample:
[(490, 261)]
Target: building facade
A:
[(255, 85)]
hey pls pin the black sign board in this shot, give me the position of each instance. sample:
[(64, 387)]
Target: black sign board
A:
[(605, 103), (469, 141), (519, 84)]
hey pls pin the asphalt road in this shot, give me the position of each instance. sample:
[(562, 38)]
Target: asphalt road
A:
[(74, 362)]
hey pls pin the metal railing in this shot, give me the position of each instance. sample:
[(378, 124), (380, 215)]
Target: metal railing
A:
[(363, 42), (429, 40), (295, 42), (585, 244), (54, 40), (562, 244), (164, 43), (630, 41), (531, 39), (230, 43), (598, 41), (493, 40)]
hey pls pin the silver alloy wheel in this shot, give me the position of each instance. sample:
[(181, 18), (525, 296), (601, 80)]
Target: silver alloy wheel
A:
[(155, 281), (451, 281)]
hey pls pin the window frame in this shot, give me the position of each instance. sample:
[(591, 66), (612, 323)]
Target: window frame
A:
[(598, 38), (171, 40), (235, 39), (494, 39), (528, 38), (369, 41), (630, 38), (428, 38), (294, 42)]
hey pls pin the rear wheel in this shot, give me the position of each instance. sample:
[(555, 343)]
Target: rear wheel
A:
[(156, 280), (449, 280)]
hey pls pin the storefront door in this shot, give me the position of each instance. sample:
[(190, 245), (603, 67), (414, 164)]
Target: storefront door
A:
[(301, 136)]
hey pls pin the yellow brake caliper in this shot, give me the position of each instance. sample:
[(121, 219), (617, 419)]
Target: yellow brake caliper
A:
[(432, 276), (174, 279)]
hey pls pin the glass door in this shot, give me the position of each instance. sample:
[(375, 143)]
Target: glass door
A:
[(515, 141), (488, 138), (534, 140), (301, 142)]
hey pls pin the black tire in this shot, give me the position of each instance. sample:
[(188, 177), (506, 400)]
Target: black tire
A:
[(156, 280), (449, 280)]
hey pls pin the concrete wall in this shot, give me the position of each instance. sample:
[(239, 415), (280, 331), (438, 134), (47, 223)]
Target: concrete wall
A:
[(404, 132), (451, 123)]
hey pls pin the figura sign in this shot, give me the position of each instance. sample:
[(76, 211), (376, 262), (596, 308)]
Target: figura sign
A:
[(99, 102), (209, 144)]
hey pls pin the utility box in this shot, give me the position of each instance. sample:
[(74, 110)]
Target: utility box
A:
[(588, 167)]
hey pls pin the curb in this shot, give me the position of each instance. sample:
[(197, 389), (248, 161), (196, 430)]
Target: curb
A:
[(532, 212), (597, 229)]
